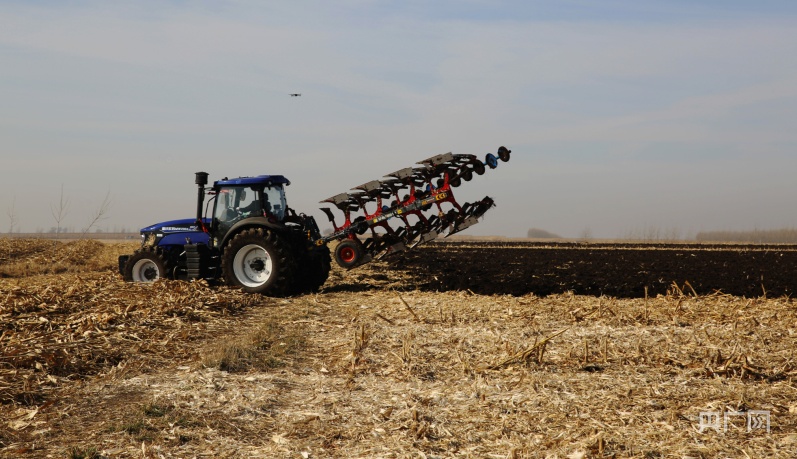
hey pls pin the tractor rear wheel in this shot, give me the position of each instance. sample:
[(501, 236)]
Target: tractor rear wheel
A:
[(258, 261), (314, 269), (145, 265), (349, 253)]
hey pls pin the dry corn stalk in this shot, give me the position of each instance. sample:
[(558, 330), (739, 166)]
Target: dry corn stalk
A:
[(409, 309), (536, 352)]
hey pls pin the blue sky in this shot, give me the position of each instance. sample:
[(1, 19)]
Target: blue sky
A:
[(622, 115)]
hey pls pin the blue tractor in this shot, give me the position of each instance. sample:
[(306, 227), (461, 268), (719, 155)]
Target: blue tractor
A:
[(251, 240)]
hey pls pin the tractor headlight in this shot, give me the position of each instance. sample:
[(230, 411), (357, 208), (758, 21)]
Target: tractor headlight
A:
[(150, 239)]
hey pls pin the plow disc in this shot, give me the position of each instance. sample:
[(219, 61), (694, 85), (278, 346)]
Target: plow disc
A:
[(405, 208)]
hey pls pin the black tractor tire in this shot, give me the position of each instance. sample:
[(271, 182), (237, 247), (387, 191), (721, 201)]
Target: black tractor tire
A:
[(259, 261), (147, 264), (466, 174), (349, 253), (314, 270)]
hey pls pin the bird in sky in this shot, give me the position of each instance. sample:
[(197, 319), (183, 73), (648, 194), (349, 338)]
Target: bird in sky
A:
[(295, 95)]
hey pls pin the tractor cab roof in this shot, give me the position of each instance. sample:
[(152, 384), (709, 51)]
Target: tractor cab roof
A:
[(267, 180)]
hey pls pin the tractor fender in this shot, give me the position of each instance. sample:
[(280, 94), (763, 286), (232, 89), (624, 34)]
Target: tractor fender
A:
[(251, 222)]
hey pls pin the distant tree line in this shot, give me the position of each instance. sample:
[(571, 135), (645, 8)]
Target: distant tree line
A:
[(60, 210), (653, 233), (779, 236), (536, 233)]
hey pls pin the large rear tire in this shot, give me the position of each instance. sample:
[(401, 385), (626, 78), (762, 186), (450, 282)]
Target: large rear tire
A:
[(258, 261), (147, 264), (314, 270)]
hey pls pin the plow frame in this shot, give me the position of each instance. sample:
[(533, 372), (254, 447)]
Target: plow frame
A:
[(430, 183)]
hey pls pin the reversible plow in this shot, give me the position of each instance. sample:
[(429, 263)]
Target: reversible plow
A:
[(412, 200)]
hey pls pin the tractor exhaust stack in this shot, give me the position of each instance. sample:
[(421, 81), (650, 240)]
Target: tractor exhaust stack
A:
[(201, 181)]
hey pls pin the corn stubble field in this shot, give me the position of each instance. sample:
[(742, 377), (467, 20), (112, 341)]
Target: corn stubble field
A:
[(379, 364)]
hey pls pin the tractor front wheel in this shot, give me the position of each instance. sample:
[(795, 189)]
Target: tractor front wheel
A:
[(258, 261), (145, 265)]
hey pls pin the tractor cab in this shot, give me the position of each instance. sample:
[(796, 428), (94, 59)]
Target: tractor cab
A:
[(248, 197)]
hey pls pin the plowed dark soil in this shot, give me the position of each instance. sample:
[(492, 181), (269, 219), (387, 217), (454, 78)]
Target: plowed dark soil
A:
[(618, 270)]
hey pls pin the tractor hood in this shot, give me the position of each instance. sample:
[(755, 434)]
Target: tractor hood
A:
[(175, 226), (176, 232)]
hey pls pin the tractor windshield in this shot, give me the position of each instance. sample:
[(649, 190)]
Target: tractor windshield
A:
[(229, 202)]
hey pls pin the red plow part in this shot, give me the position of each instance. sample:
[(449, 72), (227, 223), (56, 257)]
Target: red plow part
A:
[(412, 199)]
